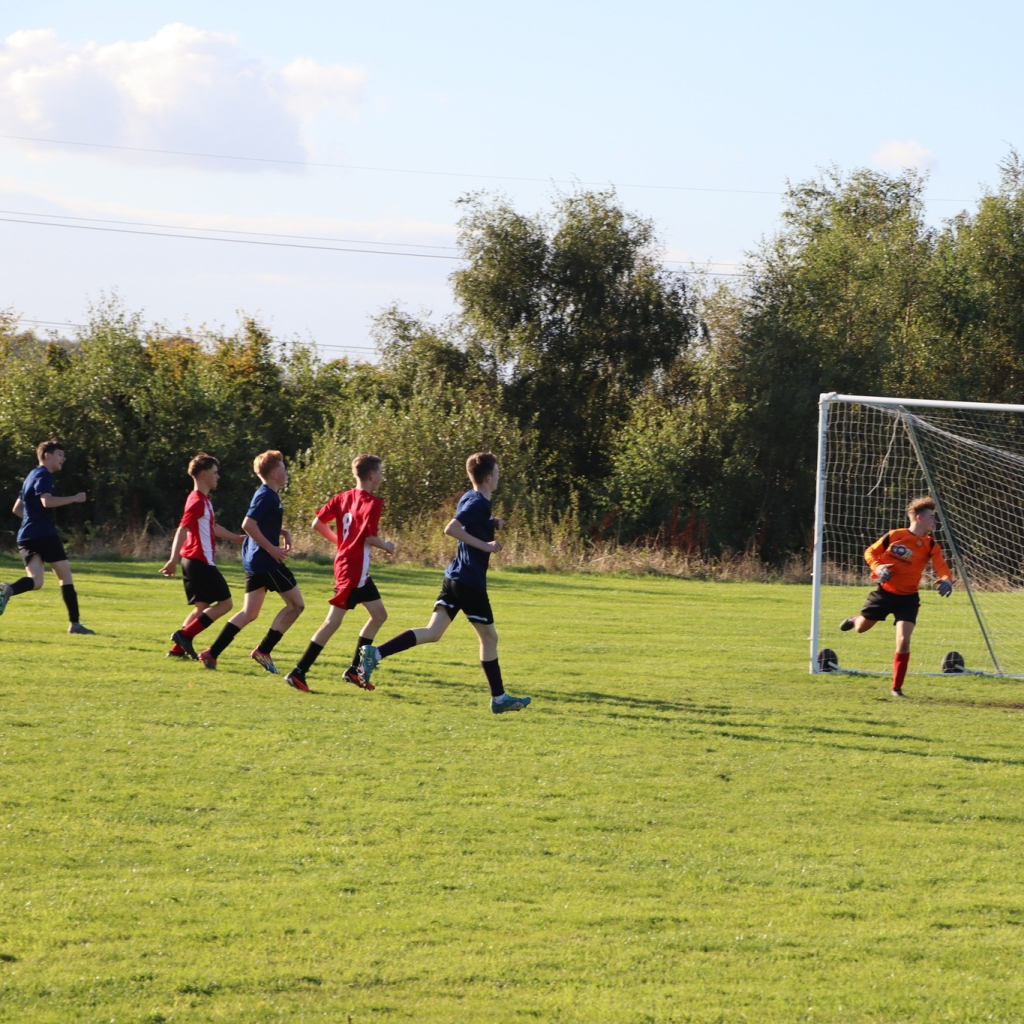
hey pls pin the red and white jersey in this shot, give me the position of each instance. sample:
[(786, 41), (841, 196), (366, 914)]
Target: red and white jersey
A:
[(198, 520), (356, 515)]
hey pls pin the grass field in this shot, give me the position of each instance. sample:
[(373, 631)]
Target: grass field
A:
[(683, 826)]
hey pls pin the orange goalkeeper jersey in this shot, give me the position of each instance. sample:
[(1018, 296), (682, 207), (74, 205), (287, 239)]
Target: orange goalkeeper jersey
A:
[(907, 555)]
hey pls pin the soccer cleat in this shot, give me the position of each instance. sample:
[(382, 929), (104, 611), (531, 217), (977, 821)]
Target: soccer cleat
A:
[(847, 623), (297, 679), (369, 659), (78, 629), (897, 691), (506, 702), (176, 652), (6, 593), (185, 643), (352, 676), (207, 660), (263, 659)]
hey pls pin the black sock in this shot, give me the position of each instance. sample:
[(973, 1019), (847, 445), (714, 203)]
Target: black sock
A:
[(227, 634), (270, 641), (493, 674), (22, 586), (396, 645), (205, 620), (360, 644), (67, 591), (312, 653)]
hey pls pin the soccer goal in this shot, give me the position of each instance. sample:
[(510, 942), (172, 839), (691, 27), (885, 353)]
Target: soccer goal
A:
[(875, 455)]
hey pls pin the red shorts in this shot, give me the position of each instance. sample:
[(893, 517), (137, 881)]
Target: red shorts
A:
[(348, 595)]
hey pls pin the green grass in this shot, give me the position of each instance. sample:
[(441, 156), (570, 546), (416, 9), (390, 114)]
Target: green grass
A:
[(683, 826)]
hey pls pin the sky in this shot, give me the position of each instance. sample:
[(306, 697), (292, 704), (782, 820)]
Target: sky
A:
[(277, 139)]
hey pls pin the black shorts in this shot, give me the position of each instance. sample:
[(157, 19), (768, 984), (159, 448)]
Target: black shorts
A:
[(455, 597), (203, 583), (49, 549), (279, 580), (902, 607), (357, 595)]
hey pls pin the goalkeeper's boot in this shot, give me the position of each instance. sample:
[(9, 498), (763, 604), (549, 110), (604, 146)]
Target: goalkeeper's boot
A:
[(264, 660), (351, 675), (6, 593), (297, 678), (185, 643), (848, 623), (506, 702), (369, 659)]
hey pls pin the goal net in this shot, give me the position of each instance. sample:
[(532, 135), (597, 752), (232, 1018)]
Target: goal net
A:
[(874, 456)]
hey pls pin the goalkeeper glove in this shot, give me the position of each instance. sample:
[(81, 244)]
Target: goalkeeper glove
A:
[(945, 588), (882, 573)]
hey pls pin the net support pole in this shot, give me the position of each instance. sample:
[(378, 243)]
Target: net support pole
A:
[(954, 549), (819, 525)]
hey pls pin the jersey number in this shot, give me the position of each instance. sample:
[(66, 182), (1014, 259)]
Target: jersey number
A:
[(346, 525)]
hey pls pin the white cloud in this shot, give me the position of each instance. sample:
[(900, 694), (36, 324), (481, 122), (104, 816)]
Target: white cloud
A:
[(182, 89), (896, 155)]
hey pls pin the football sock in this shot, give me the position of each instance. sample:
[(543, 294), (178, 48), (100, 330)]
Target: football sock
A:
[(360, 644), (312, 653), (270, 641), (67, 591), (899, 669), (175, 649), (22, 586), (493, 673), (397, 644), (197, 625), (227, 634)]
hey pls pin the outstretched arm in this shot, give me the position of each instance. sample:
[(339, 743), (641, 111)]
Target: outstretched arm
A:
[(49, 501), (221, 534), (384, 545)]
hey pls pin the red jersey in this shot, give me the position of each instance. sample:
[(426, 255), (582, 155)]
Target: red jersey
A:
[(356, 515), (198, 520), (907, 556)]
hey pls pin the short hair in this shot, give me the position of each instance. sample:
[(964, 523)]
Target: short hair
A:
[(364, 465), (480, 466), (267, 461), (200, 462), (918, 505), (48, 447)]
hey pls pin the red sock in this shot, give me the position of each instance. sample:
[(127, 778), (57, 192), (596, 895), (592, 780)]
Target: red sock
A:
[(899, 669), (175, 649), (196, 626)]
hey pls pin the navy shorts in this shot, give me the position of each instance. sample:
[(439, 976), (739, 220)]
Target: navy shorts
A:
[(203, 583), (49, 549), (456, 597), (902, 607), (279, 580)]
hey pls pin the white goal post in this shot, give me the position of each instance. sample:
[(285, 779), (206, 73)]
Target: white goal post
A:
[(874, 456)]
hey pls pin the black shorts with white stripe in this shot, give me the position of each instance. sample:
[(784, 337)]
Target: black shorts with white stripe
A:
[(456, 597)]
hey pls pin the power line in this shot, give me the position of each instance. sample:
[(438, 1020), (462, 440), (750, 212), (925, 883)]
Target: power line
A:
[(95, 226)]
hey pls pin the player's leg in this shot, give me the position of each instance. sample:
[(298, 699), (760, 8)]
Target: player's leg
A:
[(488, 636), (208, 592), (371, 657), (901, 659), (32, 580), (297, 676), (252, 604), (376, 617), (62, 570), (293, 608)]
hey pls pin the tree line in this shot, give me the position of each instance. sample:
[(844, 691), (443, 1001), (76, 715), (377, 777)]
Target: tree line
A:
[(624, 400)]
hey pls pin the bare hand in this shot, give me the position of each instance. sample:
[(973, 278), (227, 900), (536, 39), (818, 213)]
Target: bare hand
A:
[(287, 546), (80, 496), (169, 569), (279, 553), (494, 546), (389, 547)]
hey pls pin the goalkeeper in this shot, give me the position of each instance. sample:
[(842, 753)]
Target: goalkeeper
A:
[(898, 561)]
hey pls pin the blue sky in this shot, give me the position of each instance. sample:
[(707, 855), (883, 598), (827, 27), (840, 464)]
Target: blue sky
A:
[(718, 104)]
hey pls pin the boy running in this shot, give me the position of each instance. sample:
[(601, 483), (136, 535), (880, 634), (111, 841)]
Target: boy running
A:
[(465, 585), (898, 561), (263, 561), (194, 544), (38, 541), (356, 514)]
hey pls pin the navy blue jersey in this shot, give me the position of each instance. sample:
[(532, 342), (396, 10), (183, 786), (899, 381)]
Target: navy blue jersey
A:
[(36, 521), (469, 566), (267, 510)]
